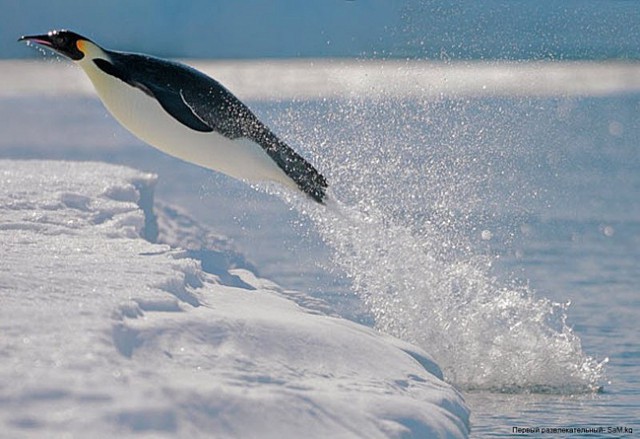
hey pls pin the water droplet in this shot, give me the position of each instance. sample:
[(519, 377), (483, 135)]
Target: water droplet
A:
[(616, 129)]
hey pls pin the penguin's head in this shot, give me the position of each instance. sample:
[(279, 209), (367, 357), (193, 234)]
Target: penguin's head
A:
[(65, 42)]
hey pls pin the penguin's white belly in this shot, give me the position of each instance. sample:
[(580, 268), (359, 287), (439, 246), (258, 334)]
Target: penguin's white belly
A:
[(143, 116)]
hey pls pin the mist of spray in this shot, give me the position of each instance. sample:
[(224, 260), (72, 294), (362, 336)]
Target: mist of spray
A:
[(411, 185)]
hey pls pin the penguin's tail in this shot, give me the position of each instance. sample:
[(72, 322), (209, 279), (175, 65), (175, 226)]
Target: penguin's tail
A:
[(305, 176)]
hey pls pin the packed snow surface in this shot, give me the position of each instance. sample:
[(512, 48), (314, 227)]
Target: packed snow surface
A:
[(107, 332)]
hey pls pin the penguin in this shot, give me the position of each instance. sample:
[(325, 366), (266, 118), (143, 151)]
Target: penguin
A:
[(187, 114)]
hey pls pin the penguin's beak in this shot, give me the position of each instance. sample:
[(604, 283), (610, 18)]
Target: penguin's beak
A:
[(64, 42), (44, 40)]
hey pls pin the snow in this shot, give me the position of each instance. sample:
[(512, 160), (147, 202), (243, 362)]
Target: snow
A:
[(105, 331), (279, 80)]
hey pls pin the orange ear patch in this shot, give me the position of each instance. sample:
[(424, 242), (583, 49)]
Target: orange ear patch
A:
[(80, 45)]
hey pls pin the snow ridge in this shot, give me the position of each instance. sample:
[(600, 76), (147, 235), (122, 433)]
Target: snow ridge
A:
[(174, 335)]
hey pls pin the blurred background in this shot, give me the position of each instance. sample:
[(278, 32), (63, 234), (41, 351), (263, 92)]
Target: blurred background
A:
[(442, 30)]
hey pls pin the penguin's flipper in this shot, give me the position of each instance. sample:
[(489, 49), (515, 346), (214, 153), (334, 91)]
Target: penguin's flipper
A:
[(174, 104), (169, 98)]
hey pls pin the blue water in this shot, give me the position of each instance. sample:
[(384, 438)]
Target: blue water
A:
[(426, 29), (581, 261), (527, 204)]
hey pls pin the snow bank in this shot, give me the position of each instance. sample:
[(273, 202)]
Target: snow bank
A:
[(279, 80), (102, 331)]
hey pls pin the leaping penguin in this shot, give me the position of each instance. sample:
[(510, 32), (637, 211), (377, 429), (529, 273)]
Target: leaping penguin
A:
[(186, 114)]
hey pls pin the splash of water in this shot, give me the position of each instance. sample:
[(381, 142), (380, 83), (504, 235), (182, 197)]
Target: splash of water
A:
[(484, 335), (413, 266)]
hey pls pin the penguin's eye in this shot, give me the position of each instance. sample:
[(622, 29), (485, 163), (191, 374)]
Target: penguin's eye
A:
[(60, 40)]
